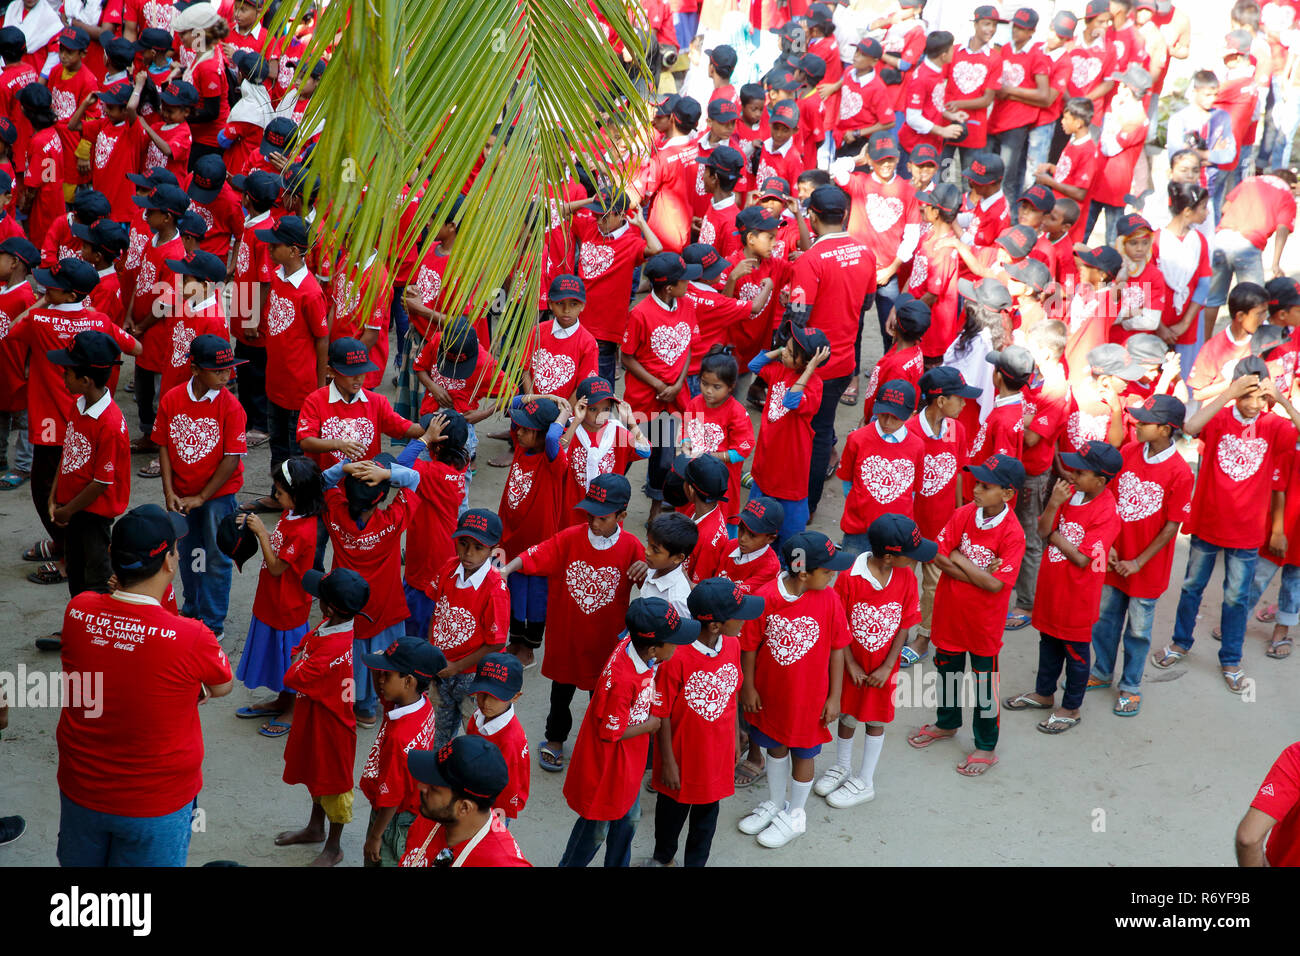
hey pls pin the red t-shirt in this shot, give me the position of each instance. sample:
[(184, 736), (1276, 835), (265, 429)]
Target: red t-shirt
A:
[(718, 430), (348, 289), (718, 228), (1231, 504), (14, 301), (588, 592), (209, 76), (783, 450), (864, 102), (1090, 66), (464, 392), (364, 420), (116, 151), (1067, 596), (696, 690), (614, 450), (1217, 360), (1077, 167), (604, 777), (322, 745), (96, 448), (426, 839), (1148, 496), (224, 218), (794, 639), (786, 162), (833, 278), (712, 528), (177, 137), (935, 271), (749, 573), (151, 663), (879, 212), (429, 545), (198, 434), (44, 155), (966, 617), (531, 500), (945, 457), (969, 76), (375, 553), (668, 178), (924, 91), (717, 317), (905, 364), (1020, 68), (153, 282), (507, 734), (1258, 208), (385, 779), (884, 475), (1168, 252), (280, 602), (559, 364), (466, 615), (605, 265), (1092, 313), (1047, 409), (1279, 797), (756, 334), (875, 614), (659, 339), (1115, 173), (295, 319), (987, 222)]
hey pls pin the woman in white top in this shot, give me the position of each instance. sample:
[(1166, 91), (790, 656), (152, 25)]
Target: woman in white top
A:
[(1182, 255), (985, 331)]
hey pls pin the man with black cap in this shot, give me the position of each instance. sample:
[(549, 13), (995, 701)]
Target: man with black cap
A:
[(668, 177), (1017, 102), (131, 766), (832, 285), (458, 784)]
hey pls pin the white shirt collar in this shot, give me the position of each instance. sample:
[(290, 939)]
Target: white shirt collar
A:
[(196, 306), (475, 579), (780, 589), (779, 151), (261, 217), (641, 666), (294, 280), (895, 438), (131, 597), (602, 544), (209, 396), (677, 140), (984, 524), (702, 286), (925, 427), (498, 723), (988, 201), (66, 307), (740, 557), (706, 514), (560, 332), (337, 396), (623, 227), (103, 274), (729, 201), (1162, 456), (334, 628), (94, 411), (1234, 341), (405, 709), (861, 570), (1236, 413), (706, 650), (1007, 400), (1076, 499), (664, 305)]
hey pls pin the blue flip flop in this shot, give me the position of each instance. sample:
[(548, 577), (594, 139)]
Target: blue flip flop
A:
[(1016, 621), (907, 657), (557, 756), (281, 728), (252, 713)]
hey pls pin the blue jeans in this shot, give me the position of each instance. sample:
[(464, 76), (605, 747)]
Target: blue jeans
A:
[(1233, 254), (796, 516), (367, 701), (1288, 597), (1239, 569), (401, 322), (283, 424), (1054, 653), (452, 691), (885, 296), (421, 607), (1245, 167), (205, 568), (1113, 214), (823, 426), (607, 358), (90, 838), (858, 543), (1038, 147), (587, 836), (1133, 617), (1012, 146), (17, 423), (1286, 117)]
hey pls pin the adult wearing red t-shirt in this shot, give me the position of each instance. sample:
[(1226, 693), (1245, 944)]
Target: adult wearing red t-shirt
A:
[(130, 766), (833, 283), (1017, 102), (669, 178), (1274, 815)]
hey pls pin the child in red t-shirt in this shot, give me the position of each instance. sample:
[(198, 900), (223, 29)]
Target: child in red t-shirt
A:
[(402, 674), (471, 615), (589, 570), (695, 701), (792, 659), (561, 352), (715, 424), (322, 743), (1003, 431), (1073, 173), (703, 482), (609, 759), (1213, 369), (1079, 526), (882, 465), (979, 554), (498, 683), (882, 605), (903, 360)]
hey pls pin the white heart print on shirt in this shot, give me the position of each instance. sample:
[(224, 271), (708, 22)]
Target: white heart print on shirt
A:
[(708, 692), (359, 430), (789, 640), (850, 103), (874, 626), (968, 75), (776, 409), (1083, 71), (1072, 531), (705, 437), (886, 479), (194, 438), (551, 370), (279, 314), (591, 588), (883, 211), (76, 451), (518, 485), (452, 626), (594, 260), (1137, 499), (1240, 457), (668, 342), (938, 471), (1013, 74)]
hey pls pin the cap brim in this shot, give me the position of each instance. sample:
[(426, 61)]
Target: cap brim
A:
[(1074, 461), (233, 363), (62, 357), (965, 391), (423, 765), (923, 552), (967, 289), (889, 408), (599, 508), (841, 561), (310, 581), (748, 522), (980, 473), (378, 662), (521, 418), (687, 631), (751, 608), (47, 279), (481, 537), (693, 271), (203, 195), (483, 685), (266, 235), (355, 369)]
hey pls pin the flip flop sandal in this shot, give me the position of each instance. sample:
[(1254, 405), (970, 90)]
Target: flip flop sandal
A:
[(907, 656), (931, 738), (1025, 702), (274, 728), (1274, 645), (1236, 681), (151, 470), (1057, 725), (988, 762), (48, 573), (1016, 621), (1266, 615), (1123, 699), (1167, 657), (12, 480), (1096, 683), (747, 774), (252, 713), (255, 438), (41, 551), (555, 763), (850, 396)]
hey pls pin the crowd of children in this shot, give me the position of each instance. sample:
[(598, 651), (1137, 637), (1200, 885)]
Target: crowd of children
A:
[(1021, 460)]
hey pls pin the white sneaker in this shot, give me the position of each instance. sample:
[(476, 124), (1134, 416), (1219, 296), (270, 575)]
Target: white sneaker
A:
[(831, 779), (852, 792), (785, 826), (758, 820)]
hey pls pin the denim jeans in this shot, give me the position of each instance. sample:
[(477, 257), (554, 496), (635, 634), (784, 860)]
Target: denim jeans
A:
[(587, 836), (823, 426), (205, 568), (1113, 214), (1038, 146), (1133, 618), (1286, 118), (284, 433), (146, 398), (1233, 254), (796, 515), (1239, 569), (452, 692), (885, 297), (606, 359), (17, 423), (1245, 168), (1288, 596), (367, 698), (1053, 653), (1011, 145), (400, 321), (90, 838)]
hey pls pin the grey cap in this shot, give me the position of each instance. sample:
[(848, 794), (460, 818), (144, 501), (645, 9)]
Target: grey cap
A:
[(1147, 349), (1014, 362), (1111, 359), (1031, 272), (989, 293), (1250, 365)]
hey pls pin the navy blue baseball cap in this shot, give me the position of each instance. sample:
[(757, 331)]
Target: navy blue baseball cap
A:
[(179, 93), (654, 619), (481, 524), (342, 589), (1098, 456), (455, 431), (896, 397), (595, 389), (158, 176), (566, 287), (606, 495), (144, 533), (899, 534), (349, 356), (763, 515), (720, 599), (170, 199), (809, 339), (23, 249), (946, 380), (91, 349), (202, 265), (1001, 470), (501, 675), (212, 352), (277, 136), (707, 258), (458, 349), (74, 38), (467, 764), (208, 178), (92, 204), (1105, 258), (670, 267), (882, 146), (829, 202), (810, 550), (289, 231), (259, 185), (912, 315), (1160, 410), (707, 474), (538, 414), (408, 655), (108, 235), (119, 94), (70, 275)]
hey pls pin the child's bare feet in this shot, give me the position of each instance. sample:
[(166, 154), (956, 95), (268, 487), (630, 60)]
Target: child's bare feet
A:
[(328, 857), (307, 834)]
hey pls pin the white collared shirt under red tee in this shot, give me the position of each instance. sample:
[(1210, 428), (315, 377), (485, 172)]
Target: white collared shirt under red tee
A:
[(876, 612), (659, 338), (559, 358), (295, 319), (884, 472), (1067, 597), (864, 102), (726, 428), (253, 265), (1230, 506), (507, 734), (1150, 491), (198, 433), (750, 571), (470, 611), (327, 414), (879, 212), (96, 448), (945, 457), (385, 779), (966, 617), (606, 264)]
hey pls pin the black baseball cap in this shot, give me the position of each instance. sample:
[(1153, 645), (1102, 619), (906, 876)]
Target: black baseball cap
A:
[(467, 764), (74, 38), (813, 67), (143, 534), (455, 430), (1262, 341), (1064, 24), (1031, 272), (110, 236), (236, 540), (119, 49), (607, 495), (90, 348), (1018, 240), (896, 397), (829, 202), (1112, 359), (988, 12), (276, 137), (158, 176), (723, 57), (92, 204), (1001, 470), (706, 257), (566, 287), (595, 389), (8, 131), (1105, 258), (35, 97), (289, 231), (809, 339), (259, 185), (882, 146), (708, 474), (1160, 410), (686, 112), (202, 265), (119, 94), (786, 111), (179, 93), (946, 380), (22, 249), (1015, 362), (665, 105), (152, 38), (610, 201), (481, 524), (912, 315), (342, 589), (501, 675), (810, 550), (985, 168), (763, 515), (756, 218), (774, 187), (720, 599), (1098, 456), (899, 534), (1038, 196), (1132, 222), (1135, 78), (408, 655), (170, 199), (212, 352), (191, 224), (252, 65), (1250, 365), (869, 46), (654, 619), (943, 196), (349, 356), (458, 349), (725, 159), (723, 111), (1026, 18), (538, 414), (670, 267), (362, 494), (71, 275), (1283, 292), (989, 293), (207, 179)]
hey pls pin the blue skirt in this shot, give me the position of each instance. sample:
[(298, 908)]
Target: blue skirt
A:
[(267, 655)]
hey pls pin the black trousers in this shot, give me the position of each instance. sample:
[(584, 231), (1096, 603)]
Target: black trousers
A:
[(45, 465), (607, 359), (823, 426), (559, 719), (671, 816), (250, 385), (146, 398), (85, 550), (283, 430)]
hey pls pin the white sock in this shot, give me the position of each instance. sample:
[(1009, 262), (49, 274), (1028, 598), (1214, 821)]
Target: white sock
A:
[(778, 775), (799, 791), (844, 753), (870, 757)]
